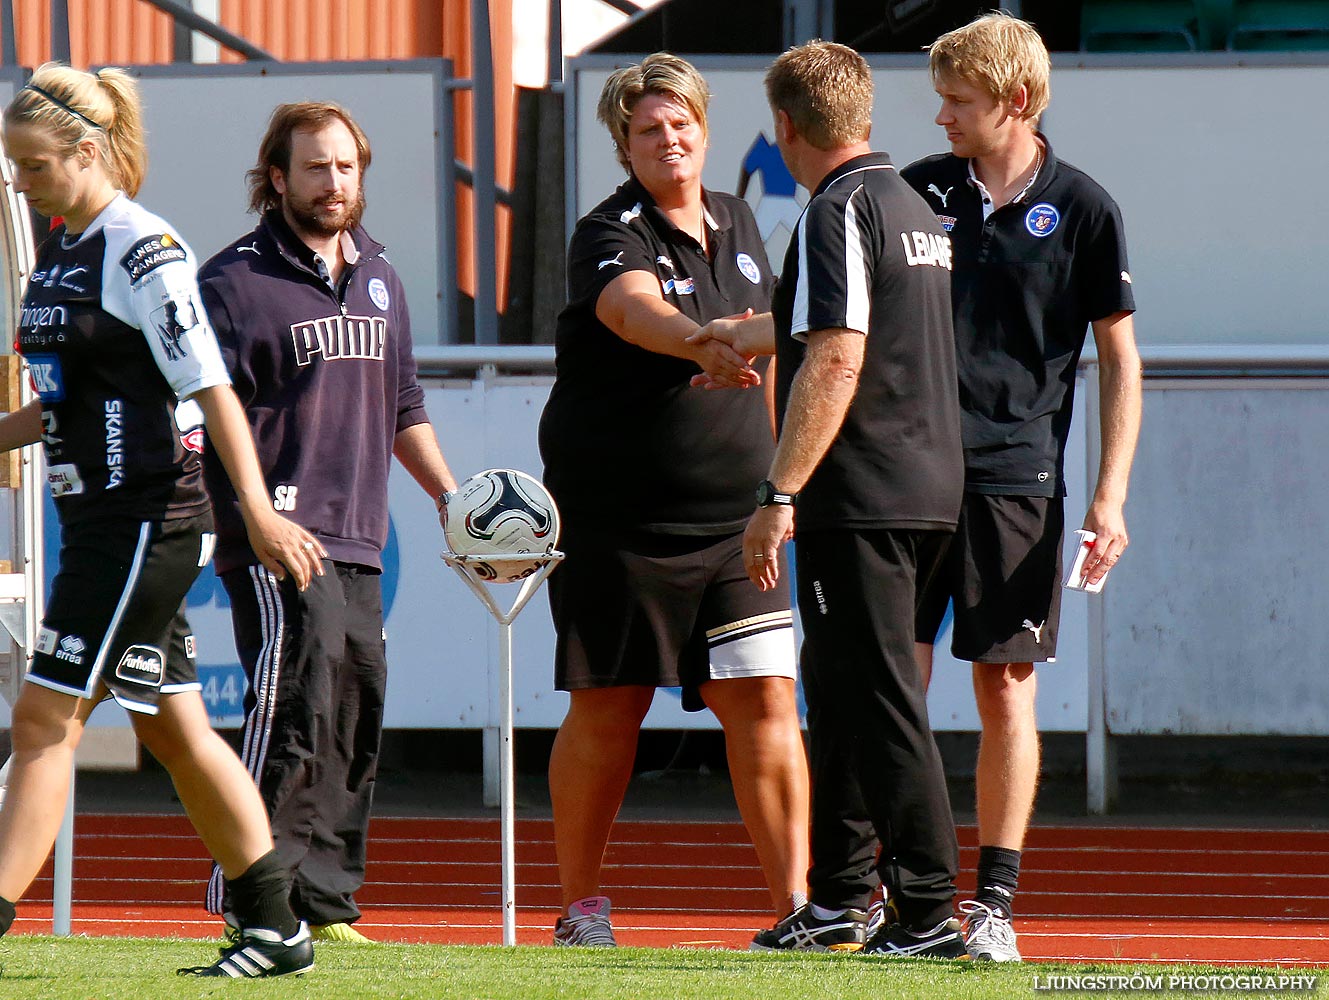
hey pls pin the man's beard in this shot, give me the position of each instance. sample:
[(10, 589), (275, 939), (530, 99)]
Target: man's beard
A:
[(314, 219)]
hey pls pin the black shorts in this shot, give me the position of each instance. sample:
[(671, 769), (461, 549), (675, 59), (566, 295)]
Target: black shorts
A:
[(1002, 575), (116, 611), (664, 611)]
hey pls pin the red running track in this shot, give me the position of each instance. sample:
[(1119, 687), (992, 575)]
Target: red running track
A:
[(1086, 893)]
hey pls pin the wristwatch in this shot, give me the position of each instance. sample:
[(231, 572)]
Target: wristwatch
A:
[(767, 495)]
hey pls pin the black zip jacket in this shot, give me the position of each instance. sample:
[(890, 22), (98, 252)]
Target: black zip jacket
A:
[(327, 379)]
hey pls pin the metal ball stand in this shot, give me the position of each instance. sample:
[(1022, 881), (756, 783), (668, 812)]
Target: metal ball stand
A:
[(464, 565)]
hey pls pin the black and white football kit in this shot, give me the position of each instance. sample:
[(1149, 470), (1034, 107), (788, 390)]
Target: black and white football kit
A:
[(872, 524), (1029, 279), (326, 375), (653, 477), (115, 336)]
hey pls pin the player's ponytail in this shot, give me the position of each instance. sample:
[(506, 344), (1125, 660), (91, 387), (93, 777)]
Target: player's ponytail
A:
[(124, 132)]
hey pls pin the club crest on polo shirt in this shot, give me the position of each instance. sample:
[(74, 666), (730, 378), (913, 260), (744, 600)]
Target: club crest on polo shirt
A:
[(378, 293), (141, 665), (749, 269), (1041, 220), (947, 222)]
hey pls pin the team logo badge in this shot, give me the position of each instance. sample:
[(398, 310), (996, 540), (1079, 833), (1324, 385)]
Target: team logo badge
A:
[(173, 320), (192, 440), (749, 268), (947, 222), (378, 293), (1041, 220)]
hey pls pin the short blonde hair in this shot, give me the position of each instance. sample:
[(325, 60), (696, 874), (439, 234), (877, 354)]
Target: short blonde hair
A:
[(826, 90), (72, 105), (661, 73), (998, 53)]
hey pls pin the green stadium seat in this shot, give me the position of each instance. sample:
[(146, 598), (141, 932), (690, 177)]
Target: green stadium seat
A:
[(1139, 26), (1215, 22), (1279, 26)]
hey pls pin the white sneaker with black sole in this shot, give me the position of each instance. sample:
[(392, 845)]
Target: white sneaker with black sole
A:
[(988, 933)]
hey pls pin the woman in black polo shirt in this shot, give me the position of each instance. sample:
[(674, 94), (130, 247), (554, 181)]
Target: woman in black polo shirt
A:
[(655, 482)]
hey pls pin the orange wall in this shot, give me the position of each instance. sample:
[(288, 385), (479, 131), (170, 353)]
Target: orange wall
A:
[(120, 32)]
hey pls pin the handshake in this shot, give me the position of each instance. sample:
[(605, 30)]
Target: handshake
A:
[(725, 348)]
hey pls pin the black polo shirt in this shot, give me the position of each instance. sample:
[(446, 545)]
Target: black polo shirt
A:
[(1027, 283), (624, 438), (868, 255)]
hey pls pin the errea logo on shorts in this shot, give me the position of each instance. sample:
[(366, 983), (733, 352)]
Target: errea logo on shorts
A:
[(141, 665), (69, 648)]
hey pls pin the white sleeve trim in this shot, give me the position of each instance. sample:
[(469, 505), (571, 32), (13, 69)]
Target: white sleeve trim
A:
[(798, 327), (858, 305)]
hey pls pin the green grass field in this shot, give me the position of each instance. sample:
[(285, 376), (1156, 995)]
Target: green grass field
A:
[(43, 968)]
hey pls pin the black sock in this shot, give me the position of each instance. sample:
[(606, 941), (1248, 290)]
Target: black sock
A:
[(998, 876), (261, 897), (6, 915)]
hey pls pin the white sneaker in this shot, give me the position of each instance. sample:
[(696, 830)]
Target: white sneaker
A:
[(988, 935), (586, 925)]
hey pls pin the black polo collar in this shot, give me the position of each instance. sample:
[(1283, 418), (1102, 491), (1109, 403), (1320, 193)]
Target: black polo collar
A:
[(716, 215), (1037, 185), (849, 166)]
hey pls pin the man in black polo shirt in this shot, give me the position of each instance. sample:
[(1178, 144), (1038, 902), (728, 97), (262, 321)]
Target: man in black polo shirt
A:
[(1040, 256), (869, 453)]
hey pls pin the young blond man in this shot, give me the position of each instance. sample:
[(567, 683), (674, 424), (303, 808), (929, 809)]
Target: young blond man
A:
[(1039, 258)]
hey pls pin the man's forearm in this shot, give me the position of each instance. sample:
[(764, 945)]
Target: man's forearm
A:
[(1121, 390), (819, 398), (416, 448)]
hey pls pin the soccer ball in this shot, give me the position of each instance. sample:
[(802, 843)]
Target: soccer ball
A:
[(501, 512)]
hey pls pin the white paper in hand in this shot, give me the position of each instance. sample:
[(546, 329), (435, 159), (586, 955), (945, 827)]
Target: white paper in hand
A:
[(1075, 579)]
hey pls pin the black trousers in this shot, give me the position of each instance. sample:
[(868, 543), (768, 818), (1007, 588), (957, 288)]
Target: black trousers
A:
[(313, 724), (871, 747)]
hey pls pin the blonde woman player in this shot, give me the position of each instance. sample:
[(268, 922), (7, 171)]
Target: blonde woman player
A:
[(127, 370)]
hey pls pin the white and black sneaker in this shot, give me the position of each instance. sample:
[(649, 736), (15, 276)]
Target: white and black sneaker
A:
[(586, 925), (988, 933), (946, 940), (261, 954), (803, 930)]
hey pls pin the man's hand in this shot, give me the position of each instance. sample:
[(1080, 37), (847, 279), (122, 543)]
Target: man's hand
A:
[(1107, 522), (282, 545), (733, 338), (767, 531)]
